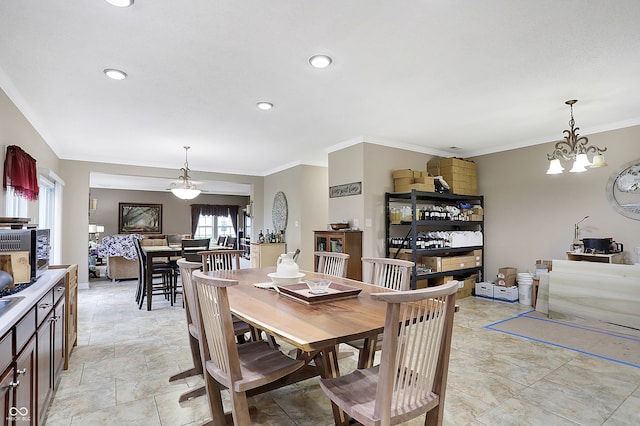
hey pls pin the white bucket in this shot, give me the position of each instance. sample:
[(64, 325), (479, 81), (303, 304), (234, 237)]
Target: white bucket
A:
[(524, 294)]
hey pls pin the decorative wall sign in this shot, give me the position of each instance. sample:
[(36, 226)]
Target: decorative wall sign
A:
[(139, 218), (345, 190), (279, 212), (623, 190)]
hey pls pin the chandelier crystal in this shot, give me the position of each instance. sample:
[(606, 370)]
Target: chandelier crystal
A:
[(186, 190), (574, 148)]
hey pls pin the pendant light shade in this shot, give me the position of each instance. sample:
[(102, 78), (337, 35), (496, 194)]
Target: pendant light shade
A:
[(574, 147), (186, 190)]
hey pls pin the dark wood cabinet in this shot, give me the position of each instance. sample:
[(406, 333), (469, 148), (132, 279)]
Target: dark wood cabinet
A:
[(32, 355), (349, 242), (24, 406)]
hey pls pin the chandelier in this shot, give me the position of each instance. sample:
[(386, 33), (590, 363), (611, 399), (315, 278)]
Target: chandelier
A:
[(574, 148), (186, 190)]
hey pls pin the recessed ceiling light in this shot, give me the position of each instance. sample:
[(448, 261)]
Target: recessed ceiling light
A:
[(115, 74), (264, 105), (320, 61), (120, 3)]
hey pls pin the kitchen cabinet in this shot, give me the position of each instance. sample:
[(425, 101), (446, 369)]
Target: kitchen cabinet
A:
[(32, 350), (71, 309), (349, 242), (266, 254), (441, 233), (50, 344)]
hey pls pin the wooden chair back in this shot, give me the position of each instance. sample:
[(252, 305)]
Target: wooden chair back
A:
[(216, 326), (331, 263), (239, 368), (188, 291), (412, 376), (393, 274), (190, 248), (222, 240), (216, 260)]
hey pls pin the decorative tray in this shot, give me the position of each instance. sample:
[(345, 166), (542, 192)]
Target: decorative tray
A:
[(336, 291)]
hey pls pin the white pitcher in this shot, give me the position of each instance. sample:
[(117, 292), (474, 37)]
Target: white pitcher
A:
[(286, 266)]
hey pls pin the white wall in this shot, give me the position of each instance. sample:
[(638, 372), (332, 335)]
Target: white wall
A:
[(16, 130), (305, 188), (530, 215), (372, 165), (76, 204), (176, 213)]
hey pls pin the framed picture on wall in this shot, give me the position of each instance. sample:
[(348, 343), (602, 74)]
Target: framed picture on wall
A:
[(136, 218)]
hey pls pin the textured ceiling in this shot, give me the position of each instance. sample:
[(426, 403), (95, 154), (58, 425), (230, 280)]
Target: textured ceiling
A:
[(483, 76)]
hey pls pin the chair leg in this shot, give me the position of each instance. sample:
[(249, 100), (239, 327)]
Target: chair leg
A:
[(192, 394), (240, 408)]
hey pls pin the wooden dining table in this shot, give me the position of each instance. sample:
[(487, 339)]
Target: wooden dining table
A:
[(156, 252), (313, 329)]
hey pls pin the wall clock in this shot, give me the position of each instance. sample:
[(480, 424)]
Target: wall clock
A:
[(279, 212), (623, 190)]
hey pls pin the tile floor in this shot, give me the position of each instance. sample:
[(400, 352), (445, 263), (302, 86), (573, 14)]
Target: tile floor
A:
[(119, 371)]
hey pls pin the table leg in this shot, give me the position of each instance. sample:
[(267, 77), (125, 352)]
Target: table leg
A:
[(327, 364), (365, 359), (149, 280)]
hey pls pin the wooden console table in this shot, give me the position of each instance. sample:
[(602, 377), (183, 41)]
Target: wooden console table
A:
[(597, 257)]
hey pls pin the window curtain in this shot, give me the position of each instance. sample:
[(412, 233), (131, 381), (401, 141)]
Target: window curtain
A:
[(213, 210), (21, 173)]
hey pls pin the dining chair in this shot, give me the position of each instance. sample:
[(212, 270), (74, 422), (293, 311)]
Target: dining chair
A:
[(222, 241), (332, 263), (190, 248), (214, 260), (227, 260), (164, 271), (186, 271), (393, 274), (231, 242), (411, 379), (239, 368)]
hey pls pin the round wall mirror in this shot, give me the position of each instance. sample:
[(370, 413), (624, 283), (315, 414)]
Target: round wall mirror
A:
[(623, 190), (279, 212)]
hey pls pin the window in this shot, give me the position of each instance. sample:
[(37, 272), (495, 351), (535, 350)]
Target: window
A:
[(225, 227), (205, 227), (214, 226), (50, 211), (15, 206)]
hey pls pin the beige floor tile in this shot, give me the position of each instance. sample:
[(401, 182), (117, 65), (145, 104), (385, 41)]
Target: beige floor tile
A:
[(120, 370)]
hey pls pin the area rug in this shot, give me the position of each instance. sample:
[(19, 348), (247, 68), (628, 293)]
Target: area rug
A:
[(602, 344)]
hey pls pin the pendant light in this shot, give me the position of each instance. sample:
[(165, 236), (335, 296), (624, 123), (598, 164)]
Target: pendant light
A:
[(574, 148), (186, 190)]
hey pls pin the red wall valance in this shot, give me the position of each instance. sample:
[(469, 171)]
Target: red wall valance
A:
[(21, 173)]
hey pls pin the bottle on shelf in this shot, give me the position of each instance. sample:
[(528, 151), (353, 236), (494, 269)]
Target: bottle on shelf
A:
[(261, 237)]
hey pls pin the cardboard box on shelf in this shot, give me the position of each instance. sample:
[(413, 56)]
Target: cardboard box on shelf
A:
[(425, 187), (505, 294), (402, 181), (484, 290), (451, 263), (424, 179), (404, 173), (466, 286), (435, 281), (461, 175)]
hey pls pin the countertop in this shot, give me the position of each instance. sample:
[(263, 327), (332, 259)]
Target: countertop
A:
[(29, 297)]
